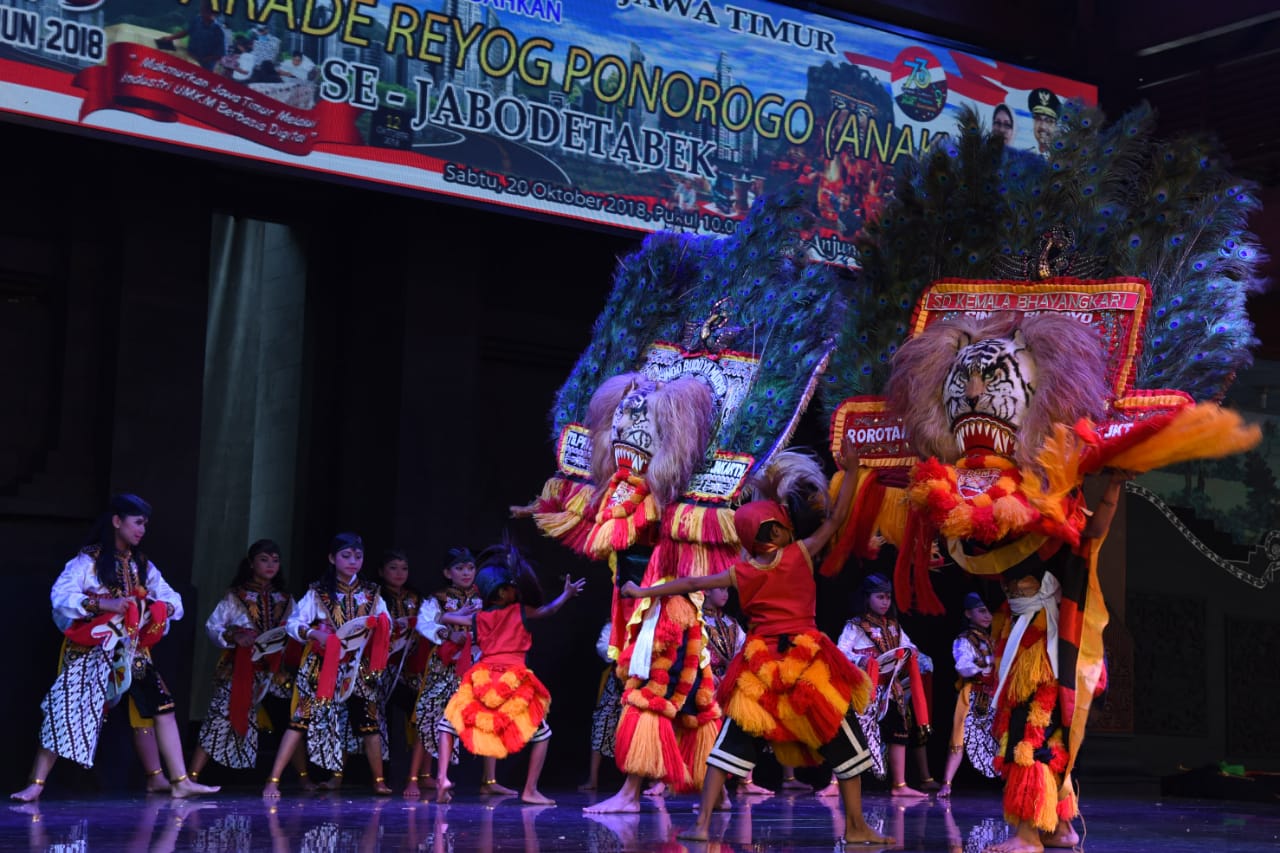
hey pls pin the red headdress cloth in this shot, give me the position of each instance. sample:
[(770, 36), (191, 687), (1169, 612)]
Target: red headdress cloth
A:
[(748, 519)]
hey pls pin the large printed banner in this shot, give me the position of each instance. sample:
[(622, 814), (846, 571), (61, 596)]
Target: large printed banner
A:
[(641, 114)]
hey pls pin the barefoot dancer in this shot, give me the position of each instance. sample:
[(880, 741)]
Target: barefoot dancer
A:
[(451, 655), (779, 597), (501, 705), (604, 719), (875, 634)]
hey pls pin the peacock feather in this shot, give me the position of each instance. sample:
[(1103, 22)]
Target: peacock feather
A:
[(942, 222), (782, 308), (1167, 211)]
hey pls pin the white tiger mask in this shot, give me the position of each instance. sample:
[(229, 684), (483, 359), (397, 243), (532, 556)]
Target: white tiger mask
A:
[(1003, 393), (658, 430), (634, 432), (988, 391)]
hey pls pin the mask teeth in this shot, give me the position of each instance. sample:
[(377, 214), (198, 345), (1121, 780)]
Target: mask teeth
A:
[(978, 431), (638, 460)]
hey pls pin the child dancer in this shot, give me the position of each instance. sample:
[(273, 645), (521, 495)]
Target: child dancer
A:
[(110, 585), (403, 677), (724, 640), (779, 597), (975, 706), (255, 603), (875, 635), (337, 598), (501, 705), (604, 720), (451, 655)]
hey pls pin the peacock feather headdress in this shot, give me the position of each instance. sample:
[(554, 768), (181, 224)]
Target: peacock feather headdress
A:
[(752, 296), (1166, 211)]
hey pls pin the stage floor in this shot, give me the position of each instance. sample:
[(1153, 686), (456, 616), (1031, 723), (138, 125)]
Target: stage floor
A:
[(355, 821)]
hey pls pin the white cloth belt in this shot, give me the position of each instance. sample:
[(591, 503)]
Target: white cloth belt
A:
[(642, 649), (1026, 608)]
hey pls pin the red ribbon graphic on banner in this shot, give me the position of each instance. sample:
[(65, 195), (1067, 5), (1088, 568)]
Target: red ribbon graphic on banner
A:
[(151, 83)]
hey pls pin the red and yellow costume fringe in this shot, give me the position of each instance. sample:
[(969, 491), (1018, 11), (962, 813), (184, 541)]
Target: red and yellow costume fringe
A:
[(795, 699), (658, 737), (497, 708), (1034, 518)]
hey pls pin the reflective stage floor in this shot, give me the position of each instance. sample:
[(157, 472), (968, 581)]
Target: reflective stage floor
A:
[(356, 821)]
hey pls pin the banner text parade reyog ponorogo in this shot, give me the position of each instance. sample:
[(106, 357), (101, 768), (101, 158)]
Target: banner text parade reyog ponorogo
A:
[(641, 114)]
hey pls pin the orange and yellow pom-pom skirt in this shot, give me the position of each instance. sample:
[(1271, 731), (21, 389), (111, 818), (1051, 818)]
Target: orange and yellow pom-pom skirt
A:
[(497, 708)]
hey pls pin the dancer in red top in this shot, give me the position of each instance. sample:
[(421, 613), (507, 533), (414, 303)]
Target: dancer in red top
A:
[(807, 707), (501, 705)]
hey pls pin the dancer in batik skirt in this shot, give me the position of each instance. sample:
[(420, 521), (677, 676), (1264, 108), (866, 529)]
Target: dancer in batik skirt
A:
[(604, 719), (452, 654), (113, 605), (330, 603), (402, 679), (875, 641), (975, 705), (255, 603)]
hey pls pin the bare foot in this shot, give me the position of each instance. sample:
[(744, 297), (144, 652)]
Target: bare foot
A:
[(625, 826), (307, 785), (657, 789), (747, 788), (1025, 840), (944, 793), (831, 790), (187, 788), (1014, 844), (381, 788), (444, 791), (29, 794), (333, 783), (411, 790), (930, 785), (427, 783), (1063, 836), (906, 792), (157, 784), (619, 803), (693, 833), (794, 784), (536, 798), (493, 788), (867, 835), (271, 791), (587, 786)]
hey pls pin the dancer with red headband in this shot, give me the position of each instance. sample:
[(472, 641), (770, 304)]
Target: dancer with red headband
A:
[(786, 665)]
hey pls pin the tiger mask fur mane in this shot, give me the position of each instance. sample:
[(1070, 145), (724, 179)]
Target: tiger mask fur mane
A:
[(997, 383)]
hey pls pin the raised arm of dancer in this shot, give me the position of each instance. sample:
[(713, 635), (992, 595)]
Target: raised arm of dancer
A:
[(1100, 522), (680, 586), (849, 462), (572, 588)]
